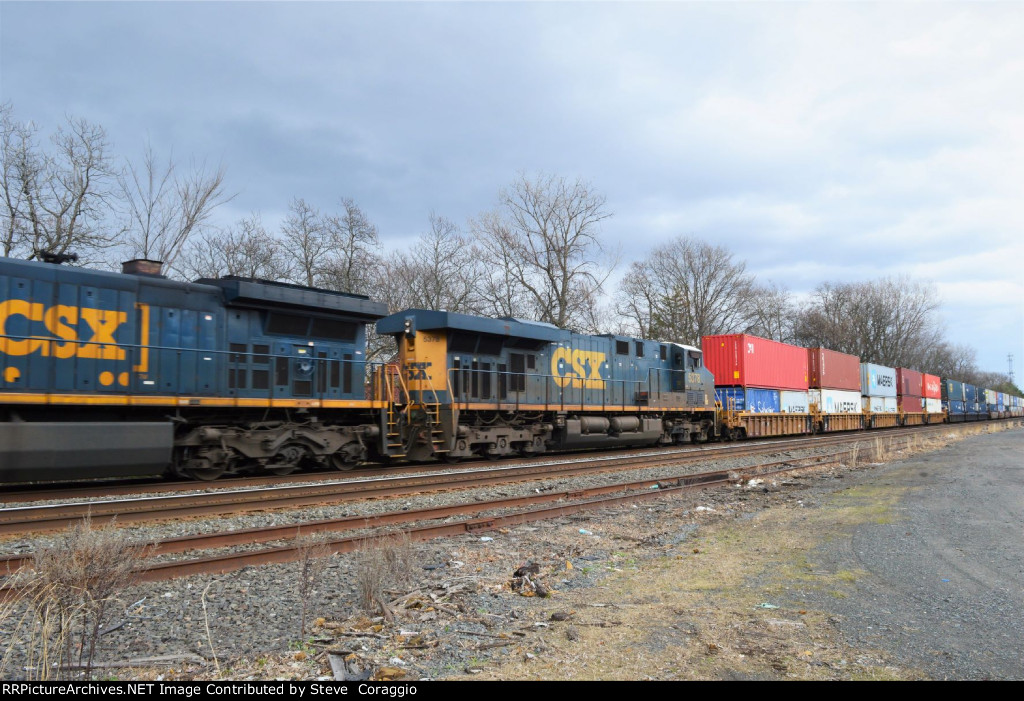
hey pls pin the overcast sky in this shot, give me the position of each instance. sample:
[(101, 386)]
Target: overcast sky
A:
[(818, 141)]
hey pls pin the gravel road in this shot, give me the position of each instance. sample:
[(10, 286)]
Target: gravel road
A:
[(945, 586)]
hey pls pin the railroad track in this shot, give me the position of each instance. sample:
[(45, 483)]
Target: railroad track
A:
[(417, 524), (564, 503), (55, 517), (64, 492)]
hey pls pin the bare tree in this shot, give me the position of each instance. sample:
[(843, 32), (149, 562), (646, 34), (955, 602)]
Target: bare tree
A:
[(354, 243), (69, 207), (637, 300), (442, 270), (308, 245), (164, 208), (772, 311), (686, 289), (57, 200), (246, 250), (955, 361), (890, 321), (16, 149), (542, 245)]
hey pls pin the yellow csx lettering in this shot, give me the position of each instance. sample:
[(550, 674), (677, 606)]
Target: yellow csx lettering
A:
[(570, 366), (61, 321)]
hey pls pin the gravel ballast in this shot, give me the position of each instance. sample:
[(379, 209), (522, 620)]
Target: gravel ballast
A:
[(463, 613)]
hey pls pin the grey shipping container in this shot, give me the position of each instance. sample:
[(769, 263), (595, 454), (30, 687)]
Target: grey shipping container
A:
[(877, 380)]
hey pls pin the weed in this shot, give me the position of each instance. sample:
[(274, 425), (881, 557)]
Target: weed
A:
[(383, 563), (54, 619), (313, 560)]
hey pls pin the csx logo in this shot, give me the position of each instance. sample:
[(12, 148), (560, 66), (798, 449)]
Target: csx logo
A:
[(569, 366), (62, 322), (418, 371)]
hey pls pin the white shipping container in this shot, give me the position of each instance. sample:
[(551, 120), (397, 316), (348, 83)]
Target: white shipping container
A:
[(880, 405), (836, 401), (933, 406), (794, 402), (990, 396)]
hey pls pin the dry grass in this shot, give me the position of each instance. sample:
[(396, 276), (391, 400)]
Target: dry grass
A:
[(54, 621), (706, 608), (384, 564), (314, 555)]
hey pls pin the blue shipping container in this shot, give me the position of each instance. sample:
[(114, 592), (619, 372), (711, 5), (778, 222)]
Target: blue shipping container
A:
[(970, 394), (761, 401), (953, 391), (957, 407)]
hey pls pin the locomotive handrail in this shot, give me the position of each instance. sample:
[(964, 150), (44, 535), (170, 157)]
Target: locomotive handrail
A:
[(173, 380), (513, 399)]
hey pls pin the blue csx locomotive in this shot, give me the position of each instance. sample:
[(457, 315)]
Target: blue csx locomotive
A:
[(117, 374)]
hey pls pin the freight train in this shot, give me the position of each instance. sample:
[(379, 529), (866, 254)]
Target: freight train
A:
[(117, 374)]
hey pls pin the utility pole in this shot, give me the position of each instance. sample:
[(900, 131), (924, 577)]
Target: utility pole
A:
[(1009, 359)]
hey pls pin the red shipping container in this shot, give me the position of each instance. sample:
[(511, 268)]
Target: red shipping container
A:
[(932, 387), (911, 405), (741, 360), (909, 382), (831, 369)]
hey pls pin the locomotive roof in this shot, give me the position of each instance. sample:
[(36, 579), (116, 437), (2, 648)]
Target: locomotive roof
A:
[(265, 293), (429, 320)]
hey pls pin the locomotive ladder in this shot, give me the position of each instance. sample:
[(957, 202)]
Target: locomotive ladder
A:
[(393, 436), (432, 410), (395, 416)]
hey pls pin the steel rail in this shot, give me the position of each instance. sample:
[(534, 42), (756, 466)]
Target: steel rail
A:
[(50, 518), (566, 502), (61, 491)]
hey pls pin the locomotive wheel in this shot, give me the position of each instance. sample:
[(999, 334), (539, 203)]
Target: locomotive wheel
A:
[(205, 474), (341, 463), (450, 459), (289, 457)]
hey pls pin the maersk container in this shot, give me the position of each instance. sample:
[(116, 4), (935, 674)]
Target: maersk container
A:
[(911, 405), (877, 380), (793, 402), (970, 394), (953, 391), (836, 401), (759, 401), (909, 382), (932, 406), (831, 369), (879, 405), (742, 360), (957, 406), (931, 386)]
